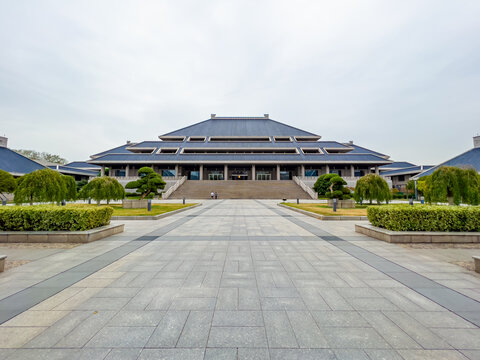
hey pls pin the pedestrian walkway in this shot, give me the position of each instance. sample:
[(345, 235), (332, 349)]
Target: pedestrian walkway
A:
[(239, 279)]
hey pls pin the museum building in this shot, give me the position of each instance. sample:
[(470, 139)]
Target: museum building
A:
[(240, 148)]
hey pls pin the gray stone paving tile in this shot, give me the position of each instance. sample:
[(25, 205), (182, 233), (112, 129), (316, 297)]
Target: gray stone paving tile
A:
[(160, 300), (227, 299), (467, 339), (61, 328), (351, 354), (137, 318), (59, 354), (237, 318), (248, 299), (355, 338), (118, 292), (301, 354), (431, 355), (280, 333), (312, 299), (306, 331), (124, 337), (441, 319), (169, 329), (423, 336), (334, 300), (253, 337), (96, 304), (395, 336), (372, 304), (471, 354), (172, 354), (220, 354), (253, 354), (374, 354), (193, 304), (195, 331), (339, 319), (271, 303), (123, 354), (282, 292), (83, 332)]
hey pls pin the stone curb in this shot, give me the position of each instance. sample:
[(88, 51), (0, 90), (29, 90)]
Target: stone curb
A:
[(60, 236), (403, 237), (156, 217), (324, 217)]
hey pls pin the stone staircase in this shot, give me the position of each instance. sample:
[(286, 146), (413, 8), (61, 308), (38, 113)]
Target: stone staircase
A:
[(240, 189)]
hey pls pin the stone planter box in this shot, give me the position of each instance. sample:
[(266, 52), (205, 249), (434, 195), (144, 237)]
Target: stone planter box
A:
[(343, 204), (135, 204), (417, 236), (324, 217), (60, 236)]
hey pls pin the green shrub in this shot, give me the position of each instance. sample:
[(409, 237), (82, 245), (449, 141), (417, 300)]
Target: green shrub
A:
[(44, 185), (7, 182), (372, 187), (53, 218), (103, 188), (332, 186), (425, 218), (148, 184)]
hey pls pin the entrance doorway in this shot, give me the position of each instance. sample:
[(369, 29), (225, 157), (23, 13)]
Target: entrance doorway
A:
[(264, 176)]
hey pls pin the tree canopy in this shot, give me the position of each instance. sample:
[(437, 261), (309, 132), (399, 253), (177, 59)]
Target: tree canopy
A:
[(453, 185), (372, 187), (332, 186), (103, 188), (7, 182), (44, 185), (149, 183), (42, 156)]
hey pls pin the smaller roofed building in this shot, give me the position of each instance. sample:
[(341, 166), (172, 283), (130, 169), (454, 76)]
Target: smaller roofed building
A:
[(468, 159), (401, 176), (14, 163)]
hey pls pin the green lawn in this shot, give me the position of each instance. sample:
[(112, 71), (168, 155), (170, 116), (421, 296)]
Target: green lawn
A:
[(322, 209), (157, 209)]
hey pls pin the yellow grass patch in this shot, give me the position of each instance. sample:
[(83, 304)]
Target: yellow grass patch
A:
[(328, 211)]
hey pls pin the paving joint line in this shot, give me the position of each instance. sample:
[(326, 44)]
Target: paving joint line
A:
[(25, 299), (472, 316)]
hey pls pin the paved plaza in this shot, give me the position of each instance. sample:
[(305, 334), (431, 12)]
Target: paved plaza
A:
[(239, 279)]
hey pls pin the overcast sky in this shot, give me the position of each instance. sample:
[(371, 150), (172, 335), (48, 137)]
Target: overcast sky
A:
[(399, 77)]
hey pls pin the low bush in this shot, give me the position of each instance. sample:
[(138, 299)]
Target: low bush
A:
[(425, 218), (53, 218)]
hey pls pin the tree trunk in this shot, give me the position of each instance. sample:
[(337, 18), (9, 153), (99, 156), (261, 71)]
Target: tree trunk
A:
[(450, 200)]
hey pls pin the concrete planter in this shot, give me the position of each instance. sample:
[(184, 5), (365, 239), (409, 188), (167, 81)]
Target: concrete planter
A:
[(343, 204), (135, 204), (60, 236), (417, 236)]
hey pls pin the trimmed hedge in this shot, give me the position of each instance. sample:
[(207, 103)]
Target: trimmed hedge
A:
[(425, 218), (53, 218)]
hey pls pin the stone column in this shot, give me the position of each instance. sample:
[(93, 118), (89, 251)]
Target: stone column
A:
[(352, 169), (176, 172), (225, 172), (253, 172), (377, 171), (327, 169), (127, 171), (278, 172), (102, 171), (201, 172), (302, 170)]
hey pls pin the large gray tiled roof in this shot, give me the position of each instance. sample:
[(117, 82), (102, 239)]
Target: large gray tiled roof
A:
[(242, 126)]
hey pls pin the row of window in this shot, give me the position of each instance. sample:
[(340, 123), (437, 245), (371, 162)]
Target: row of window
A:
[(173, 151), (240, 138)]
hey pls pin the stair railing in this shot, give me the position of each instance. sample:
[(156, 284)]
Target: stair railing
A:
[(174, 187), (305, 188)]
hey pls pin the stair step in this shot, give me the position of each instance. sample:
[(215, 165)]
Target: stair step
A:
[(240, 189)]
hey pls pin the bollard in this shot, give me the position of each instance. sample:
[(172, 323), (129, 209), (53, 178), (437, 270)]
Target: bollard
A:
[(298, 201), (4, 202), (334, 205), (89, 201), (183, 201), (64, 203), (422, 200), (149, 205), (410, 201)]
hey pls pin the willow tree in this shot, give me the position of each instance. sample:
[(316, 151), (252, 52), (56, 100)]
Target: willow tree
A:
[(453, 185), (103, 188), (44, 185), (7, 182), (372, 187), (70, 187), (149, 183)]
